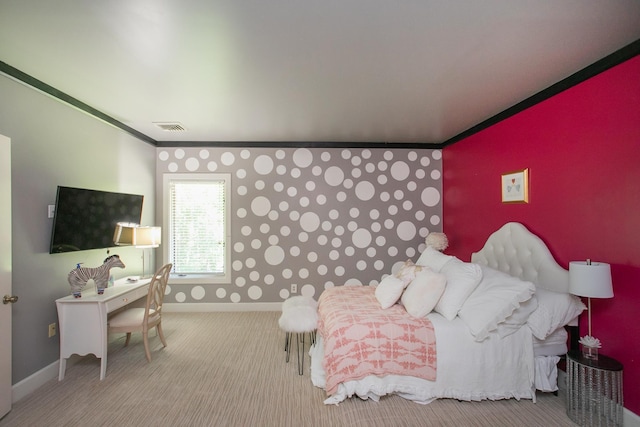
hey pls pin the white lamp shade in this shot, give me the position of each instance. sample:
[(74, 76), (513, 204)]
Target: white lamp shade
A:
[(592, 280), (127, 234)]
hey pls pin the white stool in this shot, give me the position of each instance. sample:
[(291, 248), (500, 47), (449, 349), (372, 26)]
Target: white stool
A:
[(299, 316)]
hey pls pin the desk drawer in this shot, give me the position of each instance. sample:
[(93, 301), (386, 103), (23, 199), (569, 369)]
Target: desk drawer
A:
[(130, 297)]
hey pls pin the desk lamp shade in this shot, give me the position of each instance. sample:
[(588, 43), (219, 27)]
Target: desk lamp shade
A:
[(591, 280), (127, 234)]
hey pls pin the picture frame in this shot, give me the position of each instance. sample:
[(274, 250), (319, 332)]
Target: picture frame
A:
[(515, 187)]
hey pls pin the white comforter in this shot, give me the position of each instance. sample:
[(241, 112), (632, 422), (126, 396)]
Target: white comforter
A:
[(497, 368)]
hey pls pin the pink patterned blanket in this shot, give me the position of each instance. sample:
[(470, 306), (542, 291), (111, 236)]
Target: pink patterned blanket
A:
[(361, 339)]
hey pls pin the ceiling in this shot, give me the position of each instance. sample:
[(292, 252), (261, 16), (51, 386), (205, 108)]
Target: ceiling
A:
[(349, 71)]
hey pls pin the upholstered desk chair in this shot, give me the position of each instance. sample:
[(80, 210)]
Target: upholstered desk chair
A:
[(144, 319)]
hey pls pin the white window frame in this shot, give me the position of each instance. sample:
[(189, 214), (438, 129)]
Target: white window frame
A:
[(224, 278)]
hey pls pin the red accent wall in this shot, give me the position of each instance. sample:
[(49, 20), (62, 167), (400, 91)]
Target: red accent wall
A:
[(582, 148)]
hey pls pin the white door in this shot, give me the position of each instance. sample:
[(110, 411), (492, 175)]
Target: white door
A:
[(5, 275)]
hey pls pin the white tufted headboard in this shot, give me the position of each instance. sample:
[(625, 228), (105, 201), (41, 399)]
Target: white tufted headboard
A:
[(516, 251)]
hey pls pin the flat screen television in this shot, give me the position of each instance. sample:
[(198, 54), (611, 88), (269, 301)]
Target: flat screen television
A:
[(86, 219)]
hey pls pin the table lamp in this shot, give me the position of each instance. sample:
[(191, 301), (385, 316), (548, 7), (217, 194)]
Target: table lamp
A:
[(129, 234), (591, 280)]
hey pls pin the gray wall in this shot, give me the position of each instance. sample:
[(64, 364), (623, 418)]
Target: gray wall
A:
[(314, 217), (53, 144)]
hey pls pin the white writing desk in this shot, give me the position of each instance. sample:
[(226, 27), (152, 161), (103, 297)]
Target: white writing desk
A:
[(83, 321)]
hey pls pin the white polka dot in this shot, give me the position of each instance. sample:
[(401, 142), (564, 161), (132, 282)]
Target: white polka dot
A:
[(303, 273), (221, 293), (292, 191), (334, 255), (304, 202), (235, 297), (356, 173), (352, 226), (172, 167), (285, 230), (346, 154), (197, 293), (339, 271), (295, 173), (349, 251), (238, 247), (388, 155), (260, 206), (265, 228), (308, 291), (398, 194), (245, 230), (376, 227), (274, 255), (321, 199), (227, 158), (310, 185), (371, 252), (312, 257), (382, 166), (263, 165), (212, 166), (294, 250), (365, 190), (435, 174), (407, 205), (269, 279), (294, 215), (309, 221), (323, 240), (179, 153), (334, 214), (274, 240), (412, 155), (241, 173), (341, 196), (181, 297), (382, 179), (381, 240), (302, 157), (430, 196), (434, 220), (284, 294), (242, 212), (303, 237), (163, 155), (273, 216), (361, 238), (287, 273), (256, 243), (254, 276), (236, 265), (412, 186), (280, 154), (192, 164), (334, 176), (436, 154), (325, 156), (245, 154), (259, 184), (322, 270), (281, 170), (406, 230), (278, 186), (378, 265), (242, 190), (400, 171), (361, 265), (254, 292), (348, 183), (241, 282)]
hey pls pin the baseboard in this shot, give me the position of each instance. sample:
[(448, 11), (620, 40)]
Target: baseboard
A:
[(212, 307), (33, 382), (629, 419)]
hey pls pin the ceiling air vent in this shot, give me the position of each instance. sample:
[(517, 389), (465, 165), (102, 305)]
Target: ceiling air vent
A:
[(171, 126)]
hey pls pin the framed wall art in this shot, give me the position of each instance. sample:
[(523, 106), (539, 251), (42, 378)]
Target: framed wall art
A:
[(515, 187)]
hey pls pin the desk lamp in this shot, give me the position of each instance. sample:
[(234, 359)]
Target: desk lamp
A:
[(128, 234)]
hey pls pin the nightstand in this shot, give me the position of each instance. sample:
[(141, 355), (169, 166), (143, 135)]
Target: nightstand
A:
[(594, 390)]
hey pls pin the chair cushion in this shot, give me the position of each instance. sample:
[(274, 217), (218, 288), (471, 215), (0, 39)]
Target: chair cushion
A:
[(130, 317)]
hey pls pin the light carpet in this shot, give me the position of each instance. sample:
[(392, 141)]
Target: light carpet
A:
[(229, 369)]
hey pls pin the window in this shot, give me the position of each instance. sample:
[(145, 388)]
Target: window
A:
[(196, 224)]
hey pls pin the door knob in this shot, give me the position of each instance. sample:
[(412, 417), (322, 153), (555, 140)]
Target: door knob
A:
[(9, 299)]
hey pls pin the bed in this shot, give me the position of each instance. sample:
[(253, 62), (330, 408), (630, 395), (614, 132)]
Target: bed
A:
[(494, 330)]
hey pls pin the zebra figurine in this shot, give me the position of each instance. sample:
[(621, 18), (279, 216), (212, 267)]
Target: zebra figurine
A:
[(79, 276)]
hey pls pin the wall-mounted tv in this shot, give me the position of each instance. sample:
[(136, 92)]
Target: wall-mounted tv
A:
[(86, 219)]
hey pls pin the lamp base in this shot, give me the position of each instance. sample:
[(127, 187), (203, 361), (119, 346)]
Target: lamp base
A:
[(590, 352)]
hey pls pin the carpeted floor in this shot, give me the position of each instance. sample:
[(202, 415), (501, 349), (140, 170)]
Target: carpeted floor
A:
[(228, 369)]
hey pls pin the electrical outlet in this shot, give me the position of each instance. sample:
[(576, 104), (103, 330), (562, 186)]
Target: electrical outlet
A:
[(294, 288), (51, 210), (52, 330)]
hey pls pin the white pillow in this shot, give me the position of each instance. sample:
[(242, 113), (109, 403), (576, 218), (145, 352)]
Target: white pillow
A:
[(462, 279), (433, 259), (554, 310), (497, 296), (389, 290), (518, 318), (422, 294)]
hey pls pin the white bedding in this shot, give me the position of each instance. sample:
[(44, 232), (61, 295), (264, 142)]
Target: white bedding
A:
[(505, 365), (464, 369)]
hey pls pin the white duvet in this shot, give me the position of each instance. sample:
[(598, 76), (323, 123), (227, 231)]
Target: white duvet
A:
[(497, 368)]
